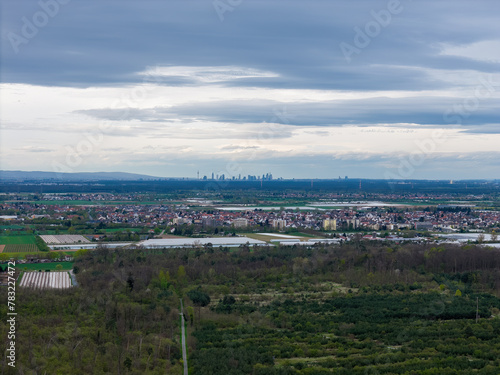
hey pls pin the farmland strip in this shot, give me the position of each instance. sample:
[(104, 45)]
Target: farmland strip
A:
[(34, 279), (36, 282), (29, 278), (39, 281), (45, 280), (23, 280)]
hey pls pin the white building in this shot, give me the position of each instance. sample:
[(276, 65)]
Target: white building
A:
[(279, 224), (240, 222)]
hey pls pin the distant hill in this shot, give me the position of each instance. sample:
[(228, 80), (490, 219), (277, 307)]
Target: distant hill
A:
[(85, 176)]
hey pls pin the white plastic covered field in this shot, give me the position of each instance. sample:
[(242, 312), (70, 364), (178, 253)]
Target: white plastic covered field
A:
[(59, 239), (44, 280)]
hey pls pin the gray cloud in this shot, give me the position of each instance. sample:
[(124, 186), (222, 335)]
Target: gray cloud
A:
[(93, 42), (362, 112)]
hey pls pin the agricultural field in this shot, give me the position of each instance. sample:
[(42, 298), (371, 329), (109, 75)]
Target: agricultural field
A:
[(63, 239), (66, 266), (45, 280), (10, 227), (18, 244), (20, 239), (267, 237), (113, 230), (86, 203), (20, 248)]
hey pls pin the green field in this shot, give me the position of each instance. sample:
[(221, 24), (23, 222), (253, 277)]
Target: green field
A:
[(113, 230), (17, 240), (19, 244), (90, 203), (44, 266), (301, 234), (21, 248), (11, 227)]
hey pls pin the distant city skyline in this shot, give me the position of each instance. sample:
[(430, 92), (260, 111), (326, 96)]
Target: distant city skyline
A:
[(10, 176), (373, 89)]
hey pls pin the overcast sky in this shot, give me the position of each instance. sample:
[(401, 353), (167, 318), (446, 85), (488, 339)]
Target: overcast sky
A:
[(305, 89)]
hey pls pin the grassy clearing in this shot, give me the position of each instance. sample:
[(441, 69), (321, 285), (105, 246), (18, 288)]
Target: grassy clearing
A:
[(316, 292), (45, 266), (290, 361)]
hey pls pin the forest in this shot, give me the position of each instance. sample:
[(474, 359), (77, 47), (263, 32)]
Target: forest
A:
[(356, 308)]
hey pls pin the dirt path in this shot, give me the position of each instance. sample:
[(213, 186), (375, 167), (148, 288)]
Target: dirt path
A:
[(183, 336), (73, 278)]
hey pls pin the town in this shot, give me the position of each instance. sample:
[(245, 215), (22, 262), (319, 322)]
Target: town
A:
[(134, 217)]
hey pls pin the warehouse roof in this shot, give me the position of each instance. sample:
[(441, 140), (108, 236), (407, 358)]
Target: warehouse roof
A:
[(187, 242)]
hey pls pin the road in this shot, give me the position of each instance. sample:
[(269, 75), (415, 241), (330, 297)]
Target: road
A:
[(183, 337), (73, 278)]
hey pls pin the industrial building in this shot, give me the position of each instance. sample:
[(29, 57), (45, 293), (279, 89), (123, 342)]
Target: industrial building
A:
[(189, 242)]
